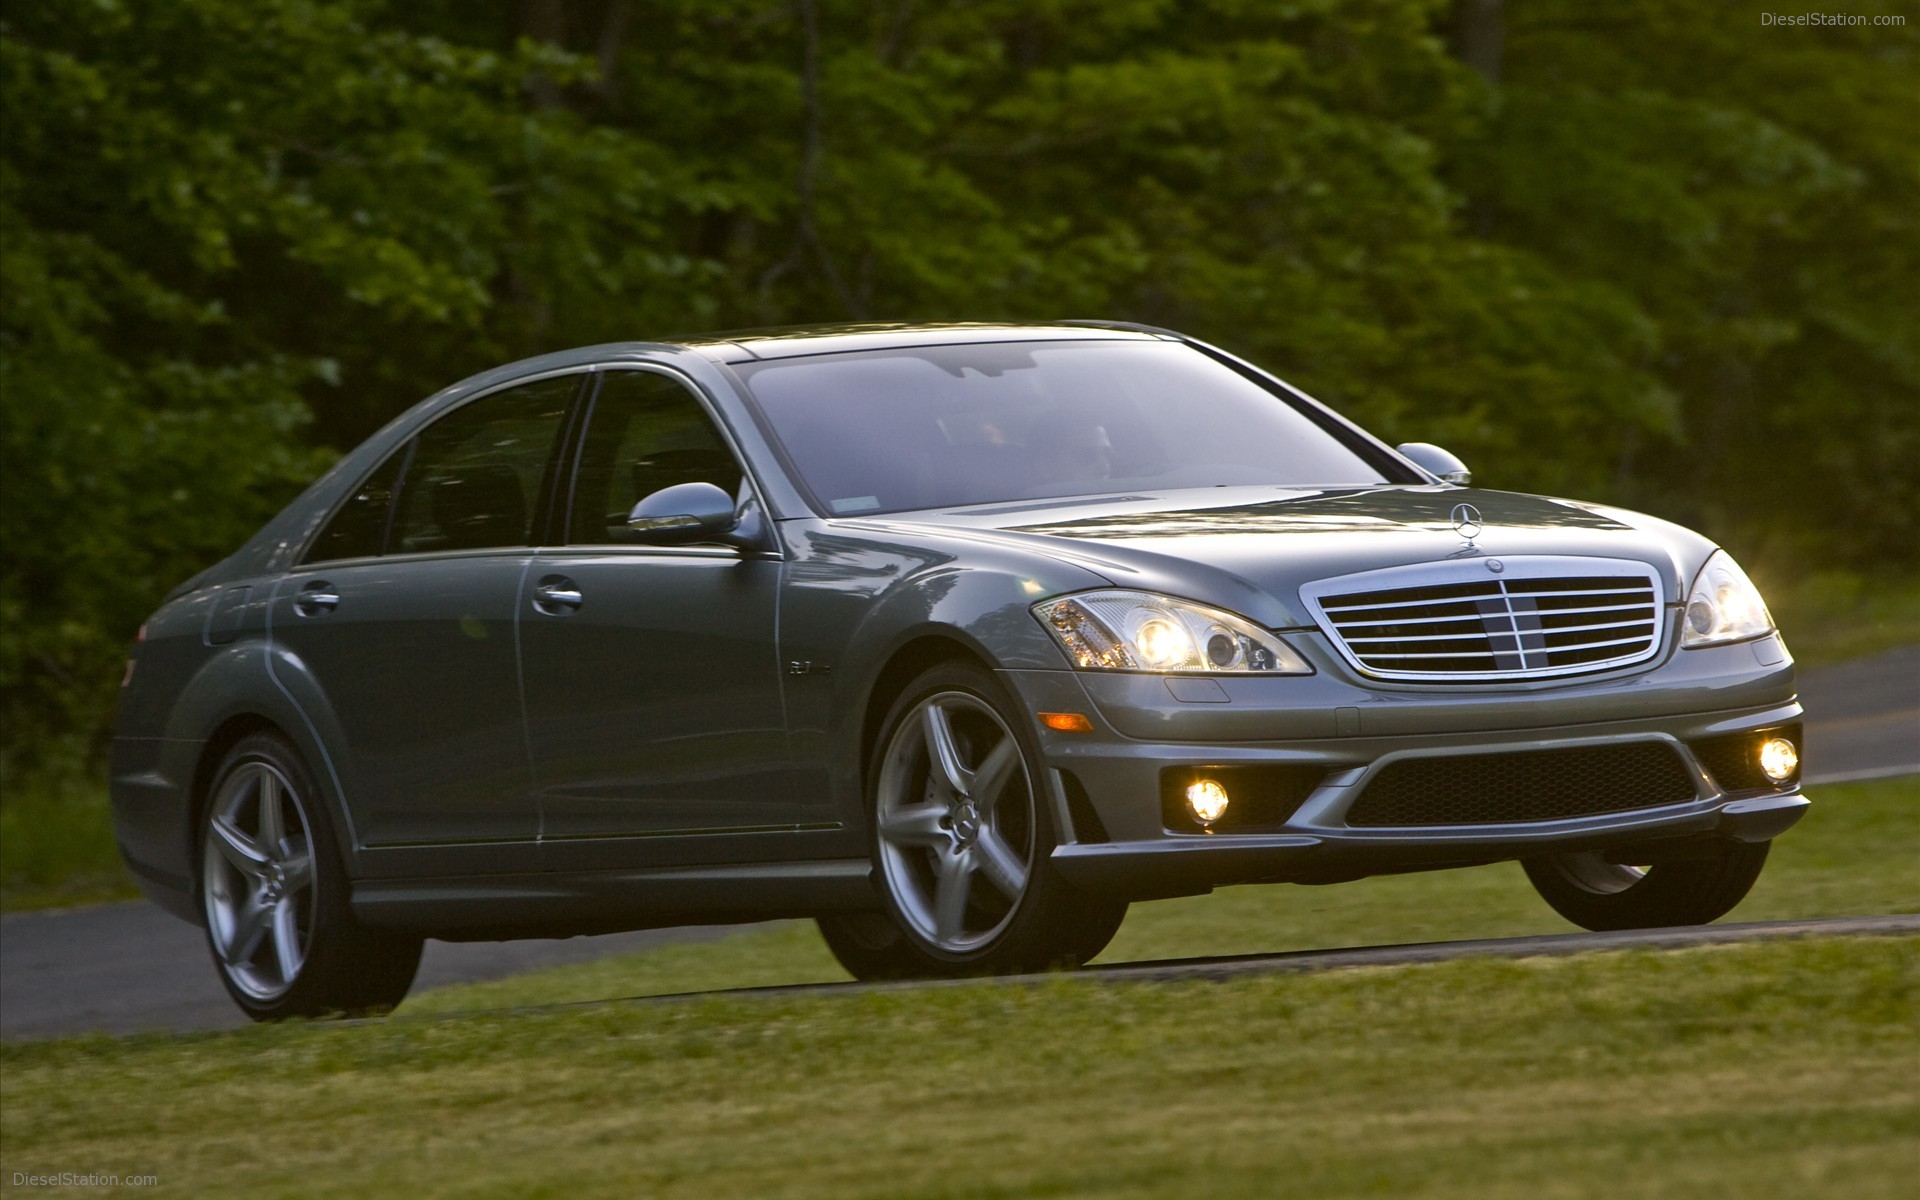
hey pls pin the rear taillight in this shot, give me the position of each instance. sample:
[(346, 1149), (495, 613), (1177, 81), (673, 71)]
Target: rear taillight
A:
[(138, 637)]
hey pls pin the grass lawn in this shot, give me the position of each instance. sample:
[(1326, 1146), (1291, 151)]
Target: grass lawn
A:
[(56, 840), (1832, 616), (1779, 1069), (1788, 1069)]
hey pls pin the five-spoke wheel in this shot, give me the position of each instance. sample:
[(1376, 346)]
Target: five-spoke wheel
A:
[(257, 880), (955, 812), (961, 837), (274, 896)]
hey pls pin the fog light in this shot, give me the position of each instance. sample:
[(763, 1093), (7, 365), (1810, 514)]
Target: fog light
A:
[(1207, 800), (1778, 759)]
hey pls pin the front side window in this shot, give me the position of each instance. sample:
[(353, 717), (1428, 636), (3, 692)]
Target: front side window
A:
[(647, 432), (479, 472), (945, 426)]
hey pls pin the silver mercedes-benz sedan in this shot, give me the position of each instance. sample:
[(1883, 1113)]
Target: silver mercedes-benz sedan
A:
[(957, 638)]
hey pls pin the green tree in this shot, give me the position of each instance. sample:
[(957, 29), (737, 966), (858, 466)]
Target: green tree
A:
[(1655, 253), (1751, 191), (218, 217)]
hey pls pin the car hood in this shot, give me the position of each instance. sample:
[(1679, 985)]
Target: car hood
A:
[(1250, 549)]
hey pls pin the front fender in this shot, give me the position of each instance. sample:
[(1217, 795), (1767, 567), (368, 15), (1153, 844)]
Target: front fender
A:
[(854, 600)]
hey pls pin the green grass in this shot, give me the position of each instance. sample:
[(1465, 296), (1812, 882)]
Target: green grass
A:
[(1782, 1069), (1789, 1069), (1854, 854), (56, 841), (1832, 616)]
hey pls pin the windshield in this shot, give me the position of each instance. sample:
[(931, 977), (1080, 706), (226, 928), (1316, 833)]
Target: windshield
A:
[(945, 426)]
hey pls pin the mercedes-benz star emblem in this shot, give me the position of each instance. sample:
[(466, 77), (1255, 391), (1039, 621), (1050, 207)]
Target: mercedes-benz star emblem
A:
[(1466, 522)]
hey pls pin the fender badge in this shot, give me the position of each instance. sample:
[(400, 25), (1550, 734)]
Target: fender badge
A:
[(1467, 522)]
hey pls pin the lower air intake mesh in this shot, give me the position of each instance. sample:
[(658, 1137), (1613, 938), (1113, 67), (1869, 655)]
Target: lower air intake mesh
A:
[(1525, 785)]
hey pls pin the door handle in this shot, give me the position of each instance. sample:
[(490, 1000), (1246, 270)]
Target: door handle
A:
[(317, 599), (557, 595)]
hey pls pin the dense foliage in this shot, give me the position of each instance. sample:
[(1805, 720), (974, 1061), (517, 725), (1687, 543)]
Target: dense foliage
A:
[(1652, 252)]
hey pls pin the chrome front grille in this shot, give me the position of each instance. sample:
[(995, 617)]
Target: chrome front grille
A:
[(1462, 621)]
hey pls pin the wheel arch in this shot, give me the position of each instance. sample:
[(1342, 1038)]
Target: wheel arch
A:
[(915, 657), (228, 734), (233, 726)]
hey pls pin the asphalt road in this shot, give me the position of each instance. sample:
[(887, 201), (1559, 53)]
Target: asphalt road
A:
[(1302, 962), (1863, 718), (119, 968)]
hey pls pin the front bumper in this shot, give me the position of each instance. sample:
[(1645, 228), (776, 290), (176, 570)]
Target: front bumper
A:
[(1183, 866), (1113, 776)]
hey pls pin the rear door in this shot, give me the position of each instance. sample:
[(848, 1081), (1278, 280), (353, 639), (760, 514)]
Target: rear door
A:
[(652, 684), (398, 636)]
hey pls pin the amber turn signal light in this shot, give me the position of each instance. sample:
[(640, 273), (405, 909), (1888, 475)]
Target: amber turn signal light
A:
[(1067, 722)]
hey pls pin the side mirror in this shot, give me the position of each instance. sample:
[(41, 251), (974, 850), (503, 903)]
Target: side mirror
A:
[(691, 512), (1436, 461)]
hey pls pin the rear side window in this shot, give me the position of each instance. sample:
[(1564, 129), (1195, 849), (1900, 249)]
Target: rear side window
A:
[(359, 529), (647, 432), (478, 473)]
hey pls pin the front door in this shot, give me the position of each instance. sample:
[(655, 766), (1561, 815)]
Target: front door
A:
[(652, 677)]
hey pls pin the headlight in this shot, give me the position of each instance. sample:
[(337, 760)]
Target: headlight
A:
[(1723, 606), (1138, 631)]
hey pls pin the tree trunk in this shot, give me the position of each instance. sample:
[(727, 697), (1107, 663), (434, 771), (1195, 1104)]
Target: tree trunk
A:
[(543, 21), (1480, 35)]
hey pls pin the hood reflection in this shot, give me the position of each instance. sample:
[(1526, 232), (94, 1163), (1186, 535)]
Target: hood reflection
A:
[(1374, 510)]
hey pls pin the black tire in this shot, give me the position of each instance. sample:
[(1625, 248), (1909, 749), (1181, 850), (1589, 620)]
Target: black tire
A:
[(1694, 890), (871, 947), (1015, 913), (273, 896)]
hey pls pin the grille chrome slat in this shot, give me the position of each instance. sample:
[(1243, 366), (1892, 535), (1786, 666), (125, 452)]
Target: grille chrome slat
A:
[(1638, 603), (1455, 654), (1492, 653), (1542, 616), (1448, 637), (1639, 621), (1587, 593), (1632, 641), (1477, 635), (1489, 594), (1472, 616), (1639, 606)]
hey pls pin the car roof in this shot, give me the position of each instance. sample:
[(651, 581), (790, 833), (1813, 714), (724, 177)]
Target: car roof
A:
[(748, 345), (286, 533)]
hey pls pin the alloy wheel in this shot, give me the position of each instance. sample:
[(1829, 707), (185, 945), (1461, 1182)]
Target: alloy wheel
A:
[(257, 878), (956, 822)]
